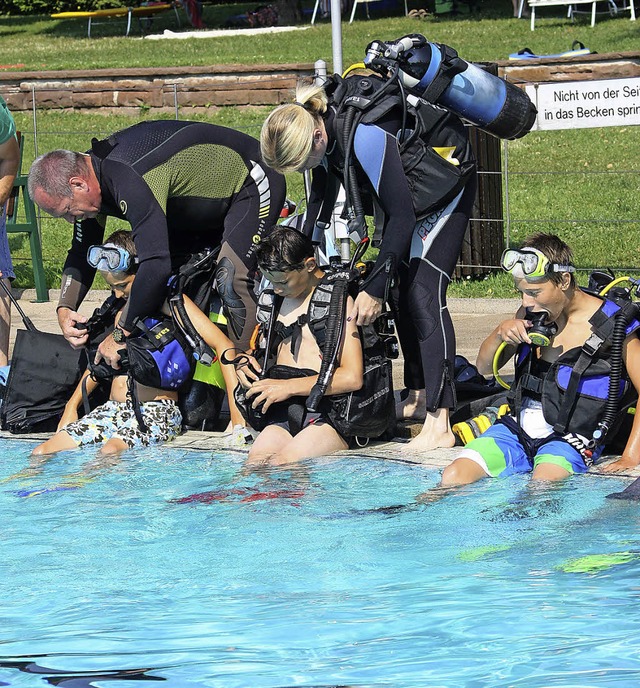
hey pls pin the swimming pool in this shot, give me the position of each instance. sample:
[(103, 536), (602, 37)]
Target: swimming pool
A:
[(173, 567)]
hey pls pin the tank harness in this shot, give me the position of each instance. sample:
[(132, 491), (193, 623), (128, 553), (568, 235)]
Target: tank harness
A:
[(433, 181), (366, 413), (586, 391), (430, 87)]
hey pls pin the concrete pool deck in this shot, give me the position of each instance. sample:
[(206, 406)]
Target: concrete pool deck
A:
[(474, 319)]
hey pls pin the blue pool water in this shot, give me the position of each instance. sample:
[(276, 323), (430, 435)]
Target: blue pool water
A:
[(301, 580)]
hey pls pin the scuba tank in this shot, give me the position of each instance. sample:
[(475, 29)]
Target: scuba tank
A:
[(434, 72)]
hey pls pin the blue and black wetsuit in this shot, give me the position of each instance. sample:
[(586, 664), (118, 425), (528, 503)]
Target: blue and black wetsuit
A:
[(422, 247), (183, 187)]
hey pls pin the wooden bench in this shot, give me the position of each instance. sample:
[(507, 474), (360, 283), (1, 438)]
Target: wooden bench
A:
[(627, 5), (142, 12)]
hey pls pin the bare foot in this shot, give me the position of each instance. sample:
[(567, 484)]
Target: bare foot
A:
[(428, 440), (410, 404), (435, 434)]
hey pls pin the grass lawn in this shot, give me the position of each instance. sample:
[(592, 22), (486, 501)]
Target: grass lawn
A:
[(488, 34), (581, 184)]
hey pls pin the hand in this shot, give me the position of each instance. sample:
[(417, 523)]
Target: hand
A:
[(109, 351), (365, 309), (247, 369), (514, 331), (67, 319), (624, 463), (265, 392)]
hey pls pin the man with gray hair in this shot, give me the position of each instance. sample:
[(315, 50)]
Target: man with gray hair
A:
[(183, 187)]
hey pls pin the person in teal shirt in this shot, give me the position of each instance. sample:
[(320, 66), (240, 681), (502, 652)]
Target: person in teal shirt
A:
[(9, 163)]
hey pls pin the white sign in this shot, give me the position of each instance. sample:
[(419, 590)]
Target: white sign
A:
[(582, 104)]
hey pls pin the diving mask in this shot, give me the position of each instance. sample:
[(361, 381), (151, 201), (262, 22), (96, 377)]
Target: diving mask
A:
[(533, 262), (110, 258)]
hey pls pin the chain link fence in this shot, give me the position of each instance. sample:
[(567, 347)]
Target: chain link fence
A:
[(581, 185)]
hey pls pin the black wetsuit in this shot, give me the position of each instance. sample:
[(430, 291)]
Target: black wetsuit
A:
[(423, 252), (183, 187)]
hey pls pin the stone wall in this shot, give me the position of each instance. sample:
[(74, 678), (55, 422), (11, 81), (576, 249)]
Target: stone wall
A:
[(156, 89), (584, 68), (161, 89)]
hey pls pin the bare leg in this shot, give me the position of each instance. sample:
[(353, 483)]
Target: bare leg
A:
[(313, 441), (59, 442), (36, 465), (113, 446), (270, 441), (5, 324), (436, 433), (413, 406), (550, 472), (462, 471)]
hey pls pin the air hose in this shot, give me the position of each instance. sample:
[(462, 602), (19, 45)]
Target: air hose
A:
[(615, 375), (334, 328), (496, 370), (353, 198)]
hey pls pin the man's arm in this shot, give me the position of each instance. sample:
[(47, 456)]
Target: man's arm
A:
[(77, 277), (631, 455), (145, 210)]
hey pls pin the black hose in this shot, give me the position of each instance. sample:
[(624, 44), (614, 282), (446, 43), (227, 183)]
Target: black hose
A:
[(615, 375), (353, 198), (334, 328)]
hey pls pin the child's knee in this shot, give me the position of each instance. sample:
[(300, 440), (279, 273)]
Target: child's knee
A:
[(113, 446), (462, 472), (40, 450)]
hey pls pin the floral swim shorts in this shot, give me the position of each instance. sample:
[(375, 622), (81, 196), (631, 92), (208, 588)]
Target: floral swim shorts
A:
[(118, 419)]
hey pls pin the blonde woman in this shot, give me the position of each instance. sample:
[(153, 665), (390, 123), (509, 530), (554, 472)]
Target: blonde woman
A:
[(421, 211)]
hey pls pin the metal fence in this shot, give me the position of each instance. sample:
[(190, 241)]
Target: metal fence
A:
[(581, 200)]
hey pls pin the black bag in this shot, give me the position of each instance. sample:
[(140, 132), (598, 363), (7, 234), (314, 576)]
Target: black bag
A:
[(253, 416), (43, 374), (369, 412)]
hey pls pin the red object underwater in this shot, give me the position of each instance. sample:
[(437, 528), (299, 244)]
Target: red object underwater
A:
[(247, 494)]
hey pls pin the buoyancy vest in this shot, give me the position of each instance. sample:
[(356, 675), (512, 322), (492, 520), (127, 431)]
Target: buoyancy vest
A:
[(433, 180), (156, 353), (574, 390), (365, 413)]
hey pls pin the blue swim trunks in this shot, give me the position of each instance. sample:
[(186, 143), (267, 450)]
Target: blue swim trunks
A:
[(118, 419), (505, 450)]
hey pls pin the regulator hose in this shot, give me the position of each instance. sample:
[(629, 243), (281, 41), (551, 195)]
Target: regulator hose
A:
[(334, 328), (353, 198), (496, 372), (615, 375)]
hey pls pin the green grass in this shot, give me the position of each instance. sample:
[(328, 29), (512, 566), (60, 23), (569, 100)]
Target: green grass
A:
[(579, 184), (487, 35)]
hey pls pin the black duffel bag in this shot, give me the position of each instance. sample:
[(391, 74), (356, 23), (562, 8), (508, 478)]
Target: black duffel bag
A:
[(44, 372)]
